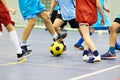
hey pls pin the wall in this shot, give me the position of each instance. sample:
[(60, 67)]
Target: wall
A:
[(113, 4)]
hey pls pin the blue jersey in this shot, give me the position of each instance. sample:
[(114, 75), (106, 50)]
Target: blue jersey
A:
[(30, 7), (98, 23), (67, 9), (118, 16), (56, 7)]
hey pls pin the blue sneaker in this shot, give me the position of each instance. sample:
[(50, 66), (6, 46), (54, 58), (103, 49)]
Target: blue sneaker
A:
[(117, 47), (79, 46), (108, 56), (91, 59)]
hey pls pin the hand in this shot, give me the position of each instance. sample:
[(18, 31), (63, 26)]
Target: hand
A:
[(107, 10), (103, 22), (13, 11)]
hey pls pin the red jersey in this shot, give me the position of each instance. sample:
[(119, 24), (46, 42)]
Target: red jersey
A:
[(86, 11)]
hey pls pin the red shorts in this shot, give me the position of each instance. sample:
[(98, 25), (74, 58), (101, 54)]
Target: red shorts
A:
[(85, 17), (5, 18)]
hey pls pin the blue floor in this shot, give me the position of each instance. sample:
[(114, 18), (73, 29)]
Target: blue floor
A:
[(41, 65)]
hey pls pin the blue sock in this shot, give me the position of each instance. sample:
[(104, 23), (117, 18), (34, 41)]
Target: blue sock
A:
[(95, 53), (80, 41), (24, 43), (112, 49), (85, 52)]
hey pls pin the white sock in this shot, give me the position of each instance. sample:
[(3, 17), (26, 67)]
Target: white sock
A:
[(1, 34), (14, 39), (55, 35)]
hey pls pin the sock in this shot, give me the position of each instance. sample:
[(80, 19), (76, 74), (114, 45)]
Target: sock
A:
[(15, 41), (112, 49), (55, 35), (1, 34), (95, 53), (85, 52), (23, 43), (80, 41)]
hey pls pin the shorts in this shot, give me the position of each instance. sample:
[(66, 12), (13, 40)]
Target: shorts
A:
[(31, 16), (73, 23), (5, 19), (117, 20)]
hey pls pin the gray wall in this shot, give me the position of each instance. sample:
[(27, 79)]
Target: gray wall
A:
[(17, 17), (113, 4)]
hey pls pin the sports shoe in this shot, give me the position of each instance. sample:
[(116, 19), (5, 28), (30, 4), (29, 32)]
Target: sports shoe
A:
[(62, 36), (65, 48), (85, 57), (25, 49), (79, 46), (97, 58), (23, 55), (117, 47), (108, 56), (91, 59)]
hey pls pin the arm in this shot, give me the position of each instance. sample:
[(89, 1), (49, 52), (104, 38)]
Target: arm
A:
[(52, 6), (106, 9), (7, 7), (101, 11)]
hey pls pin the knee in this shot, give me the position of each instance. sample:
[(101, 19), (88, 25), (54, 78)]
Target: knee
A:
[(32, 23), (113, 28)]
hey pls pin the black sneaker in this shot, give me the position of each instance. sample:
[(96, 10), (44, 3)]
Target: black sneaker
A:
[(65, 48), (23, 55), (62, 36), (25, 49)]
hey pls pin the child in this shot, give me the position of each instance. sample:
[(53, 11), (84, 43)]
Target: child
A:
[(29, 10), (110, 54), (98, 26), (67, 13), (5, 19), (86, 15), (53, 17)]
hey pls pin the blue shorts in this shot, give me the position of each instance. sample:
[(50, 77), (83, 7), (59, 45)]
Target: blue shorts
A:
[(30, 16)]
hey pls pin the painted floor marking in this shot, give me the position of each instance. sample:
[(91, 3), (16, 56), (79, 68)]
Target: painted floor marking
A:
[(94, 73)]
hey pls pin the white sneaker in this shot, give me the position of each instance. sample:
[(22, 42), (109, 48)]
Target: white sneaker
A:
[(97, 58), (85, 58)]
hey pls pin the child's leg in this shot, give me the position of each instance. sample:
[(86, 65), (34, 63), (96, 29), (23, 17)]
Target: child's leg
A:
[(48, 23), (49, 26), (27, 30), (80, 41), (14, 37), (1, 34), (1, 30)]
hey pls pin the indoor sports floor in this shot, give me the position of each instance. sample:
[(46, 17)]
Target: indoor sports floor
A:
[(41, 65)]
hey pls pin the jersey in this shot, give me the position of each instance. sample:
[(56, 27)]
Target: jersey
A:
[(98, 25), (118, 16), (86, 11), (67, 9), (56, 7), (30, 7)]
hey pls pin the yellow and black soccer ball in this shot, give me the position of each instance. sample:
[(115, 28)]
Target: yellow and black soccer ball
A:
[(56, 49)]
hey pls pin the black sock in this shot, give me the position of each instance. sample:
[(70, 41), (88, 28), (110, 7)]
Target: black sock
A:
[(85, 52), (95, 53)]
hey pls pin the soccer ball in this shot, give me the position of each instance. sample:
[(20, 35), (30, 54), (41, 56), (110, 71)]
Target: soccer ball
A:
[(56, 49)]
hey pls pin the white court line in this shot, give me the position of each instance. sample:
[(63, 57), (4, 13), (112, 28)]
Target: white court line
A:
[(94, 73)]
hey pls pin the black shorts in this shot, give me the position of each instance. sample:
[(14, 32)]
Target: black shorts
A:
[(117, 20), (73, 23)]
